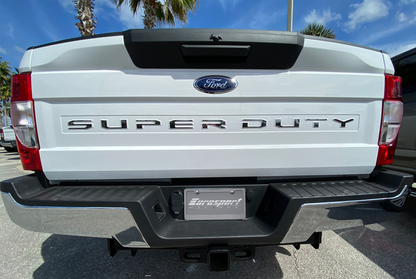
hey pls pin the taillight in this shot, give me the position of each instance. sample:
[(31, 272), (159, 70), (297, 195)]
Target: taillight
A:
[(2, 135), (23, 119), (391, 119)]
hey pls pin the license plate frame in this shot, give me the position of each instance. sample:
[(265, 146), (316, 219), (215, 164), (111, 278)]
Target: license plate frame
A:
[(215, 203)]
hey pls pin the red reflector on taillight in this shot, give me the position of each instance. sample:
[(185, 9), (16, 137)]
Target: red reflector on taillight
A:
[(386, 154), (23, 119), (393, 87), (21, 87), (391, 119), (30, 157)]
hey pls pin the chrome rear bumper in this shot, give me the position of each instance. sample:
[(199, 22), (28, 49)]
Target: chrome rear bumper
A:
[(103, 222), (317, 217)]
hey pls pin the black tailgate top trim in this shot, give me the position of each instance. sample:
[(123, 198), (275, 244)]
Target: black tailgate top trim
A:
[(161, 48)]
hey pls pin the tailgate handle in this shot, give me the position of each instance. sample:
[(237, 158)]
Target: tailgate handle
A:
[(215, 50)]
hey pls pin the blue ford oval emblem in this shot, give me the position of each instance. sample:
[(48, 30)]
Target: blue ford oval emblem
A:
[(215, 84)]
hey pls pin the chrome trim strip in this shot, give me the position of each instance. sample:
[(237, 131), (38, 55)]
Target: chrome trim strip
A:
[(316, 217), (103, 222)]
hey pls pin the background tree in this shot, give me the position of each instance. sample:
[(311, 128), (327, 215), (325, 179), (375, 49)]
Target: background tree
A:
[(5, 91), (5, 80), (316, 29), (158, 13), (87, 20)]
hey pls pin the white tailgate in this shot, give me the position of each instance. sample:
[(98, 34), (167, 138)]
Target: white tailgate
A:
[(312, 91)]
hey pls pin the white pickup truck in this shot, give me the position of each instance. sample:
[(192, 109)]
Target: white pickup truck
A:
[(8, 139), (205, 140)]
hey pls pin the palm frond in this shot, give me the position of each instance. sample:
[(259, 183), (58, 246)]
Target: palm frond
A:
[(316, 29), (180, 8), (161, 12), (134, 5)]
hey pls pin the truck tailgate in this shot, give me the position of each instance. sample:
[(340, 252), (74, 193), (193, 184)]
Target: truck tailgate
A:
[(102, 117)]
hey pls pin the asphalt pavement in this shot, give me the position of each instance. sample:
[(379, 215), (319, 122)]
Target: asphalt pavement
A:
[(384, 250)]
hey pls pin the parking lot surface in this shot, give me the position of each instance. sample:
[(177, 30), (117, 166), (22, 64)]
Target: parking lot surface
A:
[(384, 250)]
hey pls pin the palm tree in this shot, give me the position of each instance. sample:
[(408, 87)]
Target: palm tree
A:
[(158, 13), (87, 20), (5, 83), (316, 29), (5, 75)]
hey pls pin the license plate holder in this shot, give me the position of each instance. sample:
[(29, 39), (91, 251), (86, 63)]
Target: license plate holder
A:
[(215, 204)]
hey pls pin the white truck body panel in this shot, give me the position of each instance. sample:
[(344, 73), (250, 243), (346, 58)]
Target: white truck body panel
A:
[(328, 81), (389, 64), (8, 134), (25, 63)]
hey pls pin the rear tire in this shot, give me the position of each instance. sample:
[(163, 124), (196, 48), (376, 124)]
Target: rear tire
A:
[(10, 149)]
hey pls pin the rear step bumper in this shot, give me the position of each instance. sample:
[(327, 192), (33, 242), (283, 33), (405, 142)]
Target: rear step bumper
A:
[(9, 143), (141, 216)]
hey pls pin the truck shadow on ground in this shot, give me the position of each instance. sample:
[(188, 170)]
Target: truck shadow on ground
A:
[(10, 155), (80, 257), (390, 245)]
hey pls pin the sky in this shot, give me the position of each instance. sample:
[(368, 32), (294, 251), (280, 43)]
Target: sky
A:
[(381, 24)]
